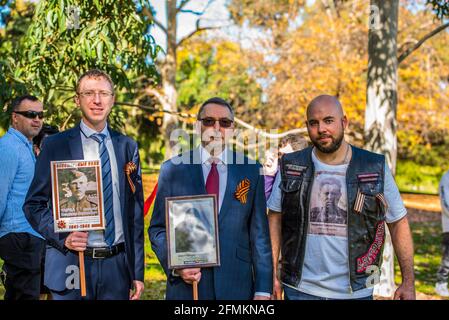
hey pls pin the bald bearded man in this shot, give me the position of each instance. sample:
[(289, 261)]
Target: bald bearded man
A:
[(326, 258)]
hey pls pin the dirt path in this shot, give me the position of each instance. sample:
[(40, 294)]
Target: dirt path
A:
[(422, 208), (422, 201)]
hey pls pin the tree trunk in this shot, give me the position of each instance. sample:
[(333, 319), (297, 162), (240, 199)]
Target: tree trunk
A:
[(380, 114), (168, 71)]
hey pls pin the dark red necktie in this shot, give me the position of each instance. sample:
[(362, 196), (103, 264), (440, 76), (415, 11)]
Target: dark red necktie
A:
[(213, 181)]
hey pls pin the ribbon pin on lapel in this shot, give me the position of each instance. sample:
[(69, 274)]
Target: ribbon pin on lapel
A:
[(130, 168), (242, 190)]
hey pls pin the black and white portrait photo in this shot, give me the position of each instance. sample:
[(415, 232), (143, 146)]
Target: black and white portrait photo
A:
[(192, 231), (328, 214)]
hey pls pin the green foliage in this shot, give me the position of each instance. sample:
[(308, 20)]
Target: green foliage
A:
[(45, 48), (413, 177), (221, 68), (440, 7), (66, 38), (424, 148), (108, 35), (427, 257), (146, 132), (15, 29)]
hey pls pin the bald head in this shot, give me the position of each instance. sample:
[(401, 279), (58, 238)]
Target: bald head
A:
[(325, 102), (326, 123)]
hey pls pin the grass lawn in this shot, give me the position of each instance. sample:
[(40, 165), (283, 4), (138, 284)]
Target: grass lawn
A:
[(426, 238), (154, 275)]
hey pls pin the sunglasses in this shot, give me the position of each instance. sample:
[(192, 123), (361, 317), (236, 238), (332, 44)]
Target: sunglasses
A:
[(210, 122), (31, 114)]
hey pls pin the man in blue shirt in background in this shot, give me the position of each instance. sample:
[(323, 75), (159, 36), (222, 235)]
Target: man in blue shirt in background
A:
[(20, 246)]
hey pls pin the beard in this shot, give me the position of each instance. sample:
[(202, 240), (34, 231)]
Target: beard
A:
[(334, 145)]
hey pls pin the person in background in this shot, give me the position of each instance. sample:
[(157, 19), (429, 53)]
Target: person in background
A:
[(21, 247), (47, 130), (290, 143), (443, 271)]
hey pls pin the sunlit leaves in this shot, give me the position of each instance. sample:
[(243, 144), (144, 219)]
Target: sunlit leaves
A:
[(66, 38), (440, 7)]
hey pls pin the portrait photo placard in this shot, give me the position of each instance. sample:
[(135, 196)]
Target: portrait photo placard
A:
[(192, 231), (77, 195)]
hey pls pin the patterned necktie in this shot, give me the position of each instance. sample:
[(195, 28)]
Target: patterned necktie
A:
[(213, 180), (109, 235)]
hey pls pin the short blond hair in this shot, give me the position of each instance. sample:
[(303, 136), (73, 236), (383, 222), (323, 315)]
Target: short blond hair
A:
[(94, 73)]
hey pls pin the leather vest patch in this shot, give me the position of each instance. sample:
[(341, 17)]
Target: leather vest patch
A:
[(375, 248), (294, 170)]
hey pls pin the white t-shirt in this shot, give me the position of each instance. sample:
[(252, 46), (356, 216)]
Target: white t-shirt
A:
[(325, 271), (444, 198)]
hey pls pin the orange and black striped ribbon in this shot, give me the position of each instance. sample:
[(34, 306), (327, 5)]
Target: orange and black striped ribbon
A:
[(359, 200), (382, 199), (241, 192), (130, 167)]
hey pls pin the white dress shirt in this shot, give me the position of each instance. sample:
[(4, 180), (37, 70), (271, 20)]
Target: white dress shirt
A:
[(91, 150), (222, 168)]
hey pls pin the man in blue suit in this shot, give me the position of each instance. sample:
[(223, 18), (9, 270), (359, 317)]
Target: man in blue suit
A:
[(114, 257), (245, 270)]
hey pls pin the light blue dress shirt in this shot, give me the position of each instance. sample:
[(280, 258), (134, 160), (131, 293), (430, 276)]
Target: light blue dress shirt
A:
[(91, 151), (17, 162)]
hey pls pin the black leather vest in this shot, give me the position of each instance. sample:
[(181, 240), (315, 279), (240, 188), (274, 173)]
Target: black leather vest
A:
[(366, 214)]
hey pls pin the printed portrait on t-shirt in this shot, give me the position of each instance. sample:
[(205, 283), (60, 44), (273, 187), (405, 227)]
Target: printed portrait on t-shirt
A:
[(328, 214)]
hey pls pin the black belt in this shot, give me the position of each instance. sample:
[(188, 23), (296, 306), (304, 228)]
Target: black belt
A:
[(104, 252)]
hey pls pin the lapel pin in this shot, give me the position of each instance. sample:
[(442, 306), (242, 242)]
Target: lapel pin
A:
[(241, 192), (130, 168)]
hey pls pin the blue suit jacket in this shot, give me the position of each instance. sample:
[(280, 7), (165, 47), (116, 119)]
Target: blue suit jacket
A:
[(38, 205), (245, 247)]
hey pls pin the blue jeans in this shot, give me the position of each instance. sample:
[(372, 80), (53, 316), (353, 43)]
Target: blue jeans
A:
[(292, 294)]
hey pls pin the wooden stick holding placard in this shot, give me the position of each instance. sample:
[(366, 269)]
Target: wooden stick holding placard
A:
[(82, 274), (68, 215), (195, 290)]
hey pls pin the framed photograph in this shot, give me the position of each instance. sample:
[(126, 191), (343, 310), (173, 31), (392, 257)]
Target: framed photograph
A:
[(77, 195), (192, 231)]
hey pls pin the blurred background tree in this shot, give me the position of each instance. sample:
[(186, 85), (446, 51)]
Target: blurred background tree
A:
[(269, 58), (46, 46)]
